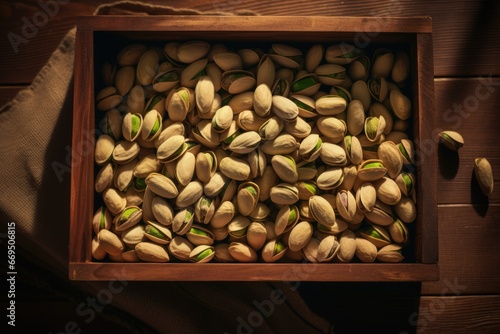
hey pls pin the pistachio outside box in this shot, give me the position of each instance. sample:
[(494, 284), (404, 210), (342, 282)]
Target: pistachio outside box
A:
[(99, 38)]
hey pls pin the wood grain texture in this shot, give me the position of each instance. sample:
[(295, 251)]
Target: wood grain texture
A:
[(469, 106), (469, 251), (466, 43)]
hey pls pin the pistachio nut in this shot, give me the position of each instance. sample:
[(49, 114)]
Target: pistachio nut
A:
[(242, 252), (451, 139), (347, 247), (399, 231), (307, 189), (98, 252), (125, 151), (371, 170), (171, 149), (406, 148), (180, 248), (130, 54), (284, 108), (284, 194), (286, 56), (147, 165), (205, 133), (305, 104), (193, 72), (104, 177), (202, 254), (286, 219), (110, 243), (300, 235), (333, 155), (298, 128), (222, 253), (104, 149), (256, 235), (161, 185), (366, 196), (151, 125), (331, 74), (240, 102), (112, 124), (147, 204), (365, 250), (129, 217), (245, 142), (266, 71), (391, 157), (108, 99), (204, 95), (228, 61), (353, 149), (124, 79), (306, 85), (204, 209), (183, 220), (355, 117), (147, 66), (184, 170), (383, 61), (400, 104), (216, 184), (322, 210), (124, 175), (381, 214), (250, 57), (271, 128), (237, 81), (191, 51), (136, 100), (310, 251), (406, 210), (199, 235), (359, 68), (484, 175), (310, 147), (330, 178), (157, 233), (374, 128), (189, 194), (248, 120), (346, 204), (332, 128), (285, 168), (162, 211), (265, 182), (329, 105), (390, 253), (262, 100), (378, 88), (406, 183), (401, 67), (273, 251), (166, 80), (283, 144), (257, 161), (114, 200), (206, 165), (328, 249), (377, 235), (313, 57), (342, 54), (377, 109), (235, 168), (178, 103), (102, 220), (151, 252), (222, 119), (247, 197)]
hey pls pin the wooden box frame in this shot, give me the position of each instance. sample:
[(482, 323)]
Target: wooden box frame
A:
[(417, 32)]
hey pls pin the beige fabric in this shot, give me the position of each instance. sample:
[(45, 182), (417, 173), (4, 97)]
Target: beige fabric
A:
[(35, 132)]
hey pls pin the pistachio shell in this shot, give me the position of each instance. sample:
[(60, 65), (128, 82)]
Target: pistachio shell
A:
[(306, 105), (451, 139), (366, 197), (215, 185), (365, 250), (256, 235), (271, 128), (284, 193), (192, 50), (178, 103), (377, 235), (180, 248), (102, 220), (130, 54), (285, 168), (191, 74), (228, 61), (110, 242), (383, 61), (245, 143), (184, 170), (204, 94), (353, 149), (391, 157), (183, 220), (202, 254), (346, 204), (347, 248), (333, 155), (310, 147), (286, 56), (327, 249), (399, 232), (240, 102), (406, 183), (223, 215), (161, 185), (331, 74), (401, 68), (283, 144), (306, 85), (300, 236), (484, 175), (242, 252), (381, 214), (342, 53), (189, 195), (247, 198), (330, 178), (329, 105), (104, 177), (237, 81), (147, 66), (222, 119), (284, 108), (157, 233), (390, 253), (124, 175), (248, 120), (321, 210), (205, 134), (162, 210), (400, 104), (234, 168), (114, 200), (374, 128), (313, 57), (206, 165), (124, 79), (98, 252), (249, 57), (406, 210), (151, 252), (273, 251), (298, 128), (332, 127), (171, 149), (104, 149), (262, 100), (199, 235), (359, 68)]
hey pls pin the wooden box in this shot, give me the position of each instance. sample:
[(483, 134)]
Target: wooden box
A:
[(103, 36)]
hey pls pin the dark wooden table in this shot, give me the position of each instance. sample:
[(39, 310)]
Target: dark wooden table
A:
[(466, 299)]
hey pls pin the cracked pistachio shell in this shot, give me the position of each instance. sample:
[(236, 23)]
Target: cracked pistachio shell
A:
[(241, 102), (331, 74), (130, 216), (300, 236), (355, 117), (286, 56), (346, 204), (358, 69), (366, 196), (108, 99), (327, 249), (237, 81), (400, 104), (235, 168), (133, 235), (248, 120), (365, 250), (298, 128), (284, 108), (333, 155), (157, 233), (286, 219), (112, 124), (125, 152), (204, 209), (171, 149), (238, 226), (306, 105), (130, 54), (406, 210), (104, 149), (378, 88), (191, 73), (178, 103), (250, 57), (245, 142), (247, 197), (330, 178), (206, 165), (216, 184), (273, 251), (183, 220), (451, 139), (260, 213), (199, 235), (156, 102), (162, 211), (132, 126), (391, 157), (147, 66), (347, 247), (401, 68), (283, 144), (228, 61), (151, 252), (147, 165), (102, 220), (262, 100), (151, 125), (360, 92), (147, 204), (124, 175), (406, 148), (332, 128), (164, 81), (306, 85), (350, 177), (383, 61), (284, 194), (342, 92), (307, 189), (381, 214), (390, 253), (285, 168), (180, 248), (256, 235), (406, 183), (161, 185), (399, 231), (204, 95), (223, 214), (222, 119), (374, 128), (257, 161), (313, 57), (114, 200), (306, 170), (353, 149), (266, 72), (322, 210), (329, 105), (342, 54), (124, 79), (377, 235), (271, 128), (204, 133), (189, 194), (310, 147), (191, 51), (484, 175), (377, 109), (110, 243), (104, 177), (242, 252), (202, 254), (184, 169)]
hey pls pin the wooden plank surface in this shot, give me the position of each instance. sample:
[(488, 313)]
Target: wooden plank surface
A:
[(462, 41)]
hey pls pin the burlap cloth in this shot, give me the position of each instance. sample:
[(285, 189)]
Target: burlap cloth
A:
[(35, 132)]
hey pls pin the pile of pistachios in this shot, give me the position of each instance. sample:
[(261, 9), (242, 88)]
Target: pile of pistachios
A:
[(209, 153)]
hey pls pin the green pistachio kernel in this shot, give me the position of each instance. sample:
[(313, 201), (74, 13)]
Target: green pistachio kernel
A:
[(140, 183), (169, 76), (372, 127), (312, 188), (303, 83), (374, 165), (155, 128), (229, 139), (302, 105), (136, 123), (403, 151), (348, 141), (151, 230), (278, 247), (251, 190), (240, 233), (198, 231), (292, 216), (157, 98), (102, 221), (408, 182), (280, 87), (183, 94), (207, 252)]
